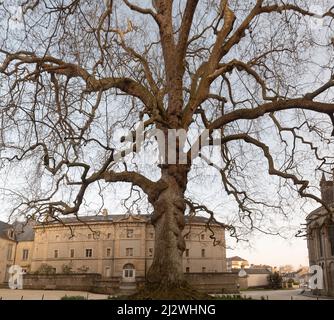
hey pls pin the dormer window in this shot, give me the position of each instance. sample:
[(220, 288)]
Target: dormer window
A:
[(11, 234)]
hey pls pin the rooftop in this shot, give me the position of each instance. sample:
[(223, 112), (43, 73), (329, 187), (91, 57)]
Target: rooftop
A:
[(4, 227), (235, 258), (116, 218), (257, 271), (25, 231)]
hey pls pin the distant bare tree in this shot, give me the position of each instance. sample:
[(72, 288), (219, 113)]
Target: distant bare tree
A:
[(74, 73)]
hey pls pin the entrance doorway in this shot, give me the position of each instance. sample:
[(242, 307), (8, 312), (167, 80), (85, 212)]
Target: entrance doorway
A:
[(129, 273)]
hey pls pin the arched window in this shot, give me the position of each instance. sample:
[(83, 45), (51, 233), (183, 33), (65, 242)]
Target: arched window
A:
[(330, 230), (331, 268), (320, 242), (128, 271)]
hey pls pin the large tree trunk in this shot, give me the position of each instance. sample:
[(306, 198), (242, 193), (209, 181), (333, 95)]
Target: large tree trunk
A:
[(168, 220), (165, 278)]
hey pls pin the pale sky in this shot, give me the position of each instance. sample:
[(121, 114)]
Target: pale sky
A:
[(264, 249), (274, 251)]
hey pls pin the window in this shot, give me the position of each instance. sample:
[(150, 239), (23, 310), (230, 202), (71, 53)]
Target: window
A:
[(151, 235), (56, 254), (203, 253), (9, 252), (25, 254), (331, 237), (128, 271), (11, 234), (187, 252), (187, 269), (108, 252), (109, 236), (129, 233), (57, 237), (72, 253), (89, 236), (320, 241), (129, 252), (202, 236), (89, 253), (150, 252), (203, 269)]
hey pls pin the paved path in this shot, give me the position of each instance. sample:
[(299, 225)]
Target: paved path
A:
[(293, 294), (8, 294)]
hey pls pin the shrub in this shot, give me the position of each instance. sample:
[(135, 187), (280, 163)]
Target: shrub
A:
[(232, 297), (275, 280), (45, 269), (66, 269)]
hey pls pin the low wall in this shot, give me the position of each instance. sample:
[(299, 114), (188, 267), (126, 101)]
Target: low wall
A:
[(205, 282), (216, 282), (258, 280), (76, 282)]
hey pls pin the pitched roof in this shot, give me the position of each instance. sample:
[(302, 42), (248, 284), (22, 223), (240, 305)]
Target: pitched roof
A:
[(24, 231), (257, 271), (235, 258), (4, 227), (116, 217)]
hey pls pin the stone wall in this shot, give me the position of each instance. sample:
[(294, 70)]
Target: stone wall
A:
[(216, 282), (76, 282)]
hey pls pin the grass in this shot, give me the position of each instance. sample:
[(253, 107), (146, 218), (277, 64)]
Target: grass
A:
[(232, 297), (66, 297)]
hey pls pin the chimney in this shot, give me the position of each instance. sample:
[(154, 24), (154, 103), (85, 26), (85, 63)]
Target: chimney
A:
[(105, 212), (327, 189)]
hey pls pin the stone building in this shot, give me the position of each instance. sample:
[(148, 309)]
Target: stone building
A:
[(109, 245), (236, 263), (7, 249), (16, 244), (320, 239)]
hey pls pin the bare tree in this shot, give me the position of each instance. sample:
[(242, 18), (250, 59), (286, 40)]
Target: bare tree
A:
[(73, 73)]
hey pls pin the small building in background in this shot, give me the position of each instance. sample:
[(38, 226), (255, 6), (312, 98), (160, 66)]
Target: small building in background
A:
[(236, 263), (263, 267), (257, 278)]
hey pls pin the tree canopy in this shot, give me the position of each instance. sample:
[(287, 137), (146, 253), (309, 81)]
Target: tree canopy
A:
[(256, 76)]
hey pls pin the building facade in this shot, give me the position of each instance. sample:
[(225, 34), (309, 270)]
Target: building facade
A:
[(110, 245), (320, 236), (236, 263), (7, 249)]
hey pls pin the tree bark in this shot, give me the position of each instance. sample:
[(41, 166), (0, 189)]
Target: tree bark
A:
[(168, 220)]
